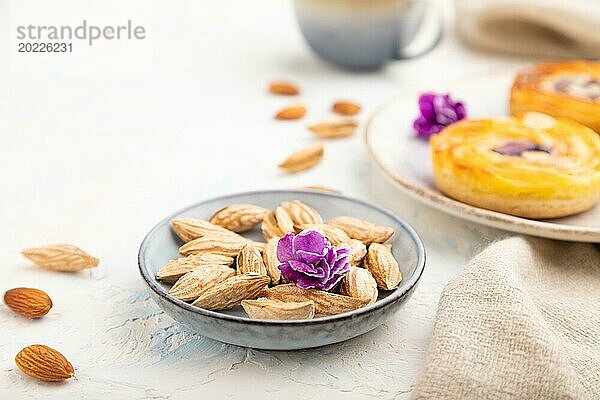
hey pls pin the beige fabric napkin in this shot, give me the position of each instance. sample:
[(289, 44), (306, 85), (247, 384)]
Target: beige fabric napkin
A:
[(550, 28), (521, 321)]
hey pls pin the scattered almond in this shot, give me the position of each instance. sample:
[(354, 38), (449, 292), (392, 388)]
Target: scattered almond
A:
[(382, 265), (334, 129), (232, 291), (325, 303), (289, 113), (359, 283), (61, 257), (264, 308), (321, 188), (303, 159), (301, 213), (216, 243), (284, 88), (191, 285), (44, 363), (239, 217), (271, 261), (175, 269), (346, 107), (250, 260), (365, 231), (190, 228), (32, 303)]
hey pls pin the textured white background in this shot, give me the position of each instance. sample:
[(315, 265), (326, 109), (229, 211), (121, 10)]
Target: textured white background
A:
[(98, 145)]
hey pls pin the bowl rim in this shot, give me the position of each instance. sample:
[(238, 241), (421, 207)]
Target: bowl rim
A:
[(396, 295)]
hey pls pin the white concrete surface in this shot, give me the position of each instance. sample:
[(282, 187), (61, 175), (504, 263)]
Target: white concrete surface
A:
[(100, 144)]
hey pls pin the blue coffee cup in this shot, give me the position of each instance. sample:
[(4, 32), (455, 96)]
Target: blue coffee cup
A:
[(368, 33)]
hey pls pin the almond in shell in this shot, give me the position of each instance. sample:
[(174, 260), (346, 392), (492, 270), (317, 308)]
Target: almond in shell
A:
[(175, 269), (358, 251), (250, 260), (232, 291), (334, 129), (336, 236), (301, 213), (264, 308), (61, 257), (321, 188), (44, 363), (32, 303), (284, 220), (365, 231), (190, 285), (303, 159), (359, 283), (271, 261), (269, 227), (382, 265), (216, 243), (191, 228), (325, 303), (239, 217)]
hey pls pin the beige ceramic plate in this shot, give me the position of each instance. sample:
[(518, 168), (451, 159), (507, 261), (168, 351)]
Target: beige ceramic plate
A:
[(406, 160)]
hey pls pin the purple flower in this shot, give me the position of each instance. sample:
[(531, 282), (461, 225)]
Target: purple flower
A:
[(310, 261), (437, 112)]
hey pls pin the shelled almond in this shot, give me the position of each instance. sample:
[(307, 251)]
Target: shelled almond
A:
[(32, 303), (285, 88), (346, 107), (291, 112), (44, 363)]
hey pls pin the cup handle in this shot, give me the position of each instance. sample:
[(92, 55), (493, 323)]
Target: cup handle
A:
[(419, 29)]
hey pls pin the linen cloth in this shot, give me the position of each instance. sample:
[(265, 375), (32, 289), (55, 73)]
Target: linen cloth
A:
[(548, 28), (521, 321)]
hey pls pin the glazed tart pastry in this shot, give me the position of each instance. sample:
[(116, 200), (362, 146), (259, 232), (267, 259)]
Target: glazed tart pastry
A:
[(534, 166), (562, 89)]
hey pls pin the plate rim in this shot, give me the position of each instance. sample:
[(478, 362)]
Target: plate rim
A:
[(468, 212), (398, 293)]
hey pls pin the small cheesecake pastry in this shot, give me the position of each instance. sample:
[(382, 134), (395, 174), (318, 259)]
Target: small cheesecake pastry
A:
[(562, 89), (534, 166)]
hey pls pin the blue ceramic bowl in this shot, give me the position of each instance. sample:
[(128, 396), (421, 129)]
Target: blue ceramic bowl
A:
[(231, 326)]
